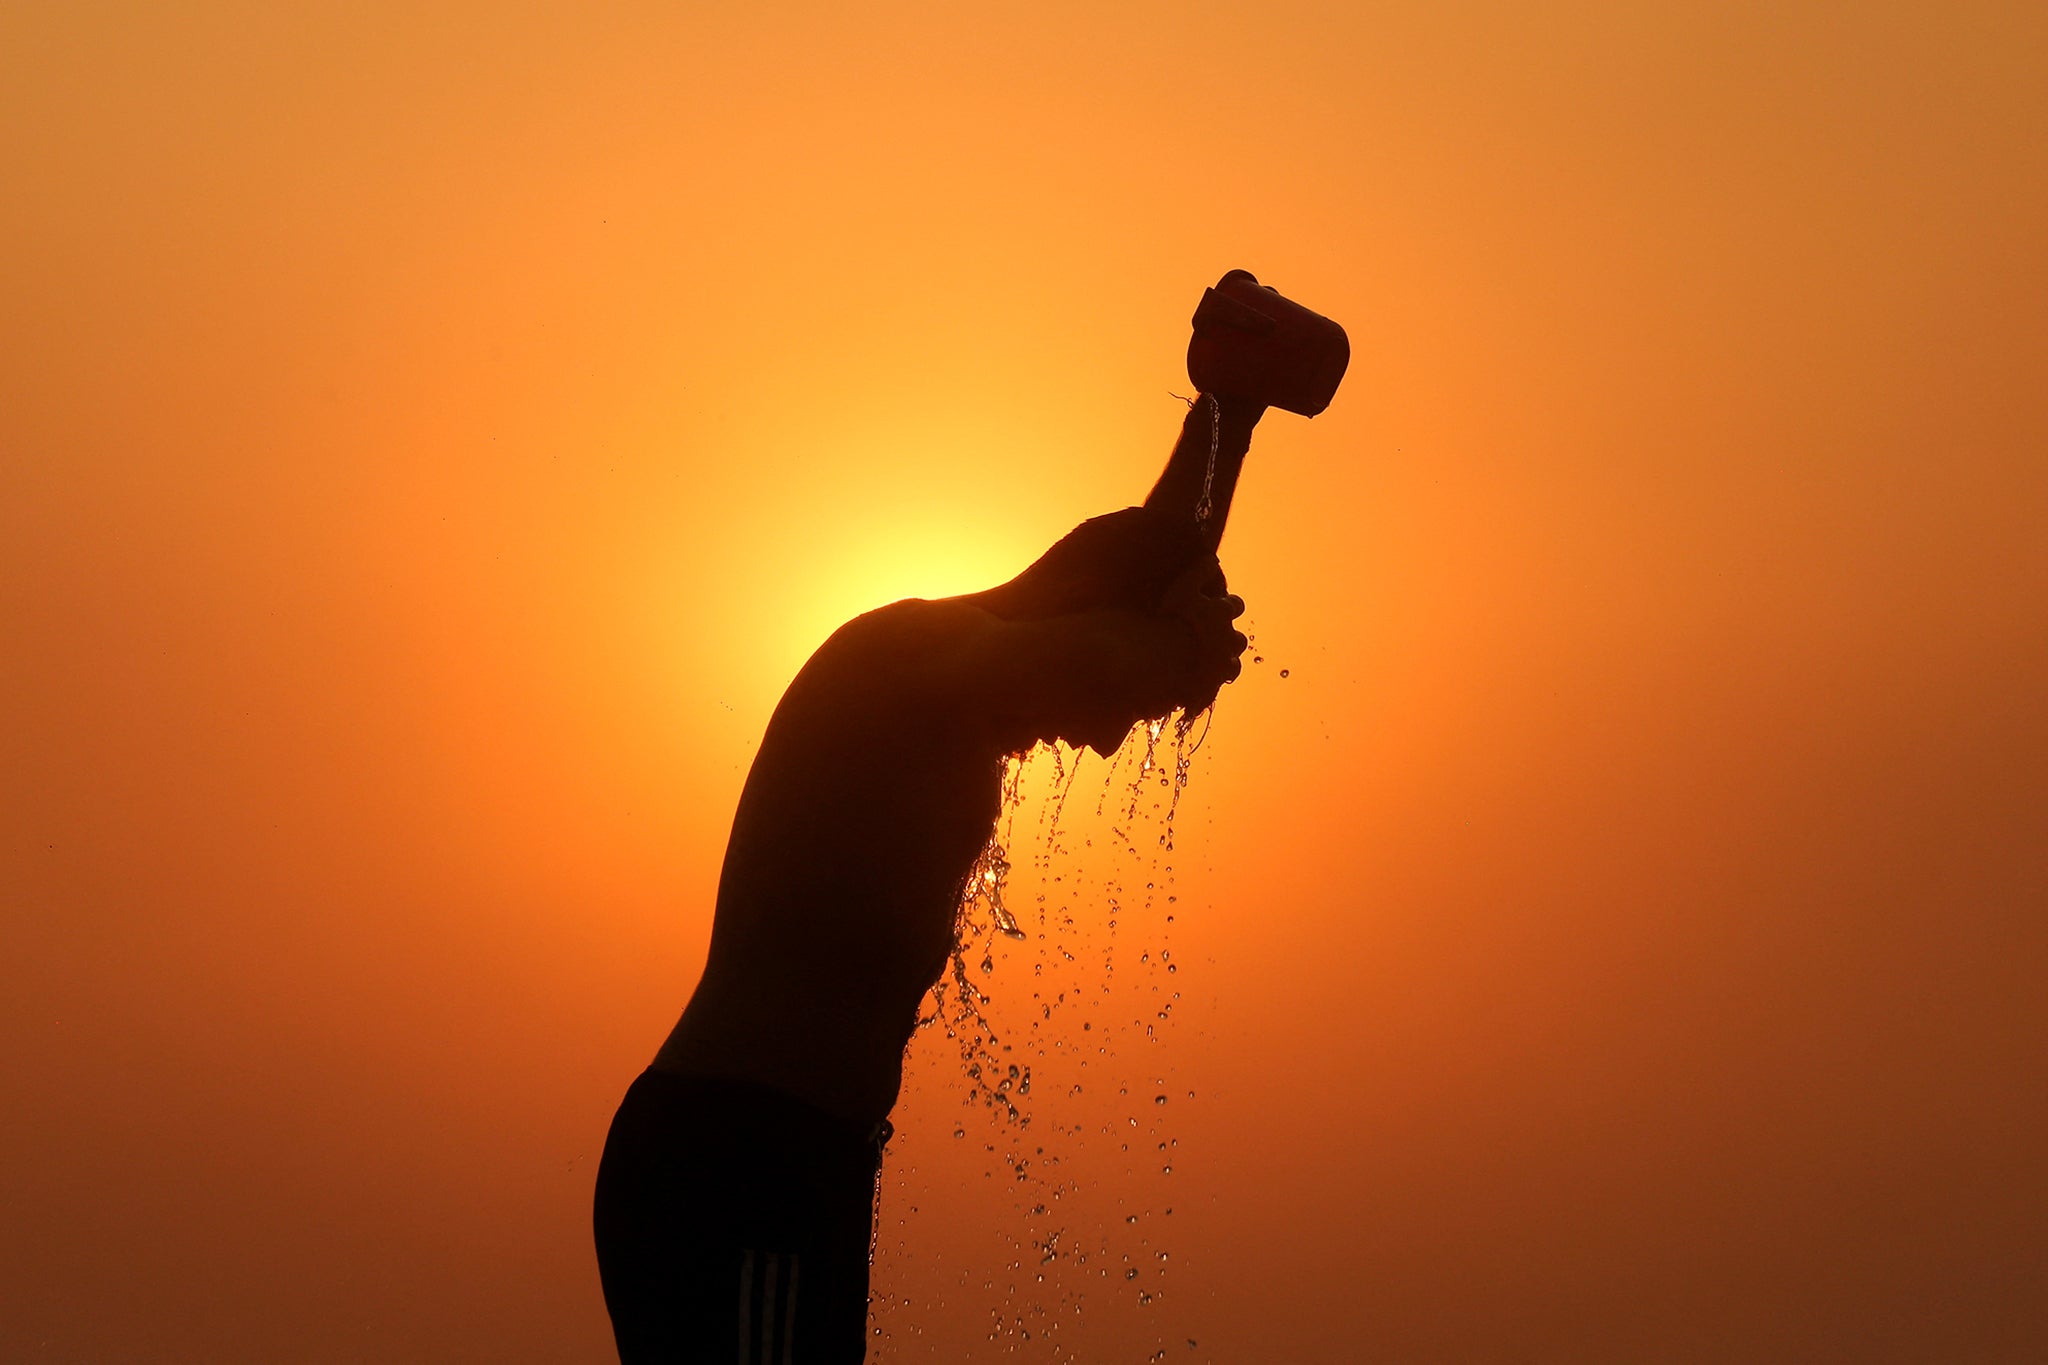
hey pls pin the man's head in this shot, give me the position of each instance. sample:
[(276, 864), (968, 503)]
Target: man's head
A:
[(1174, 631)]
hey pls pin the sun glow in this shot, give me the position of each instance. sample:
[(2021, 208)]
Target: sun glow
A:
[(436, 435), (927, 557)]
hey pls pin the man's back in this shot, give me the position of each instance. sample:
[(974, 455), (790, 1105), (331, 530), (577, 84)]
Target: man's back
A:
[(873, 792)]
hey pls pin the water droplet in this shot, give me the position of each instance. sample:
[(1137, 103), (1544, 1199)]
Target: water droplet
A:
[(1159, 1099), (1283, 672)]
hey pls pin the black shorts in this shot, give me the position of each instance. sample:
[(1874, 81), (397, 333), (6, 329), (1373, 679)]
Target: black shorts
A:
[(735, 1224)]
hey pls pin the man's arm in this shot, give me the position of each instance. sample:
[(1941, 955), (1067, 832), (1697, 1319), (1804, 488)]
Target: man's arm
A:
[(1214, 439)]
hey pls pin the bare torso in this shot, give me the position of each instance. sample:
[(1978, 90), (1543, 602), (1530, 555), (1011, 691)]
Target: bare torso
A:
[(864, 811)]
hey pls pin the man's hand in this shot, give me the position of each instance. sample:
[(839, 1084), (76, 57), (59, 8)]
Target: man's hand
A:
[(1176, 657), (1201, 601)]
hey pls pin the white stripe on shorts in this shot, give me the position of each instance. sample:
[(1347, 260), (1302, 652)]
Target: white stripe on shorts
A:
[(789, 1313)]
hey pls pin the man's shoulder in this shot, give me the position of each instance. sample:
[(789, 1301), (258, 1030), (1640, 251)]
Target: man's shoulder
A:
[(915, 624), (906, 650), (903, 669)]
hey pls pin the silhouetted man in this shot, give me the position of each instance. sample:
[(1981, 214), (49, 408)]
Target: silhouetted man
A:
[(735, 1200)]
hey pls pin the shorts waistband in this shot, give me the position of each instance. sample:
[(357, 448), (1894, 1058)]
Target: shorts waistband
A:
[(791, 1116)]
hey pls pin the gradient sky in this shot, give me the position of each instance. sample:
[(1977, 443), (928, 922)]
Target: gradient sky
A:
[(430, 436)]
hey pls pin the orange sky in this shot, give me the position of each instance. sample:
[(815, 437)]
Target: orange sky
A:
[(430, 436)]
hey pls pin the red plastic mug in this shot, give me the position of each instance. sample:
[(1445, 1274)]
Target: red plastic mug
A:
[(1255, 343)]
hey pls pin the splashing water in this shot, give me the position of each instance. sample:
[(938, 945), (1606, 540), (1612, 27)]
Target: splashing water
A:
[(957, 1001), (1205, 506), (1054, 1068)]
